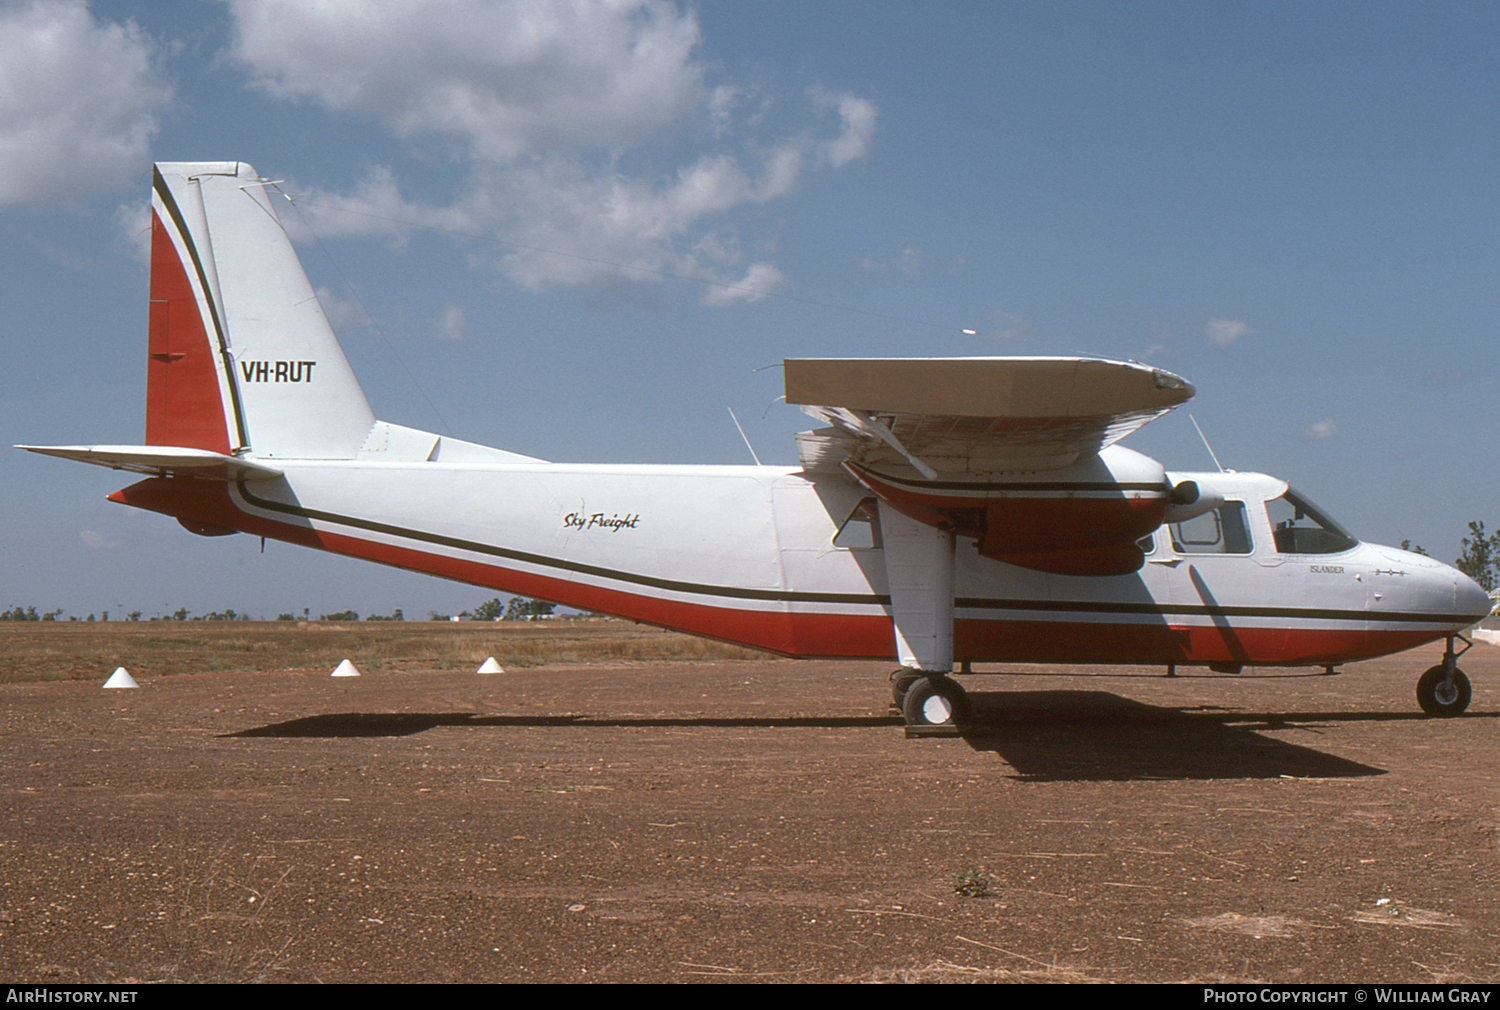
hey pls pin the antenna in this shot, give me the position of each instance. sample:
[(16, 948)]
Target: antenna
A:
[(1206, 445), (743, 435)]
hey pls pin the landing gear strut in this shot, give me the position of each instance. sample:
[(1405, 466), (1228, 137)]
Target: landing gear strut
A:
[(1444, 690)]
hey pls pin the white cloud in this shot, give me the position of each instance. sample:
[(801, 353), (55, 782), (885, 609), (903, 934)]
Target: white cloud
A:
[(1326, 428), (721, 105), (857, 117), (97, 541), (1223, 332), (908, 261), (760, 281), (132, 221), (78, 102), (373, 208), (344, 315), (452, 326), (505, 79), (595, 150)]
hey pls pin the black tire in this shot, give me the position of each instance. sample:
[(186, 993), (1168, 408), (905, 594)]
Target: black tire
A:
[(935, 701), (901, 682), (1440, 700)]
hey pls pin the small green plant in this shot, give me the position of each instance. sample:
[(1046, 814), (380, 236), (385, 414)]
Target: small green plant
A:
[(972, 883)]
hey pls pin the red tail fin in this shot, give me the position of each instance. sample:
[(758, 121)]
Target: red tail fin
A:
[(183, 406)]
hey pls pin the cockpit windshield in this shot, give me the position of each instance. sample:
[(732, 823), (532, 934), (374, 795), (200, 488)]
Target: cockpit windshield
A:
[(1301, 528)]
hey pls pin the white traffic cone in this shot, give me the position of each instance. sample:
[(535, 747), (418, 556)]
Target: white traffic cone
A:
[(120, 679)]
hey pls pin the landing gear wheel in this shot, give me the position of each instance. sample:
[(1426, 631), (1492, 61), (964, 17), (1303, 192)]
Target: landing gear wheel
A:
[(901, 682), (935, 700), (1438, 697)]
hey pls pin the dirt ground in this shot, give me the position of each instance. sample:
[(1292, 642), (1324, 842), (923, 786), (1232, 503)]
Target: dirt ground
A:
[(748, 821)]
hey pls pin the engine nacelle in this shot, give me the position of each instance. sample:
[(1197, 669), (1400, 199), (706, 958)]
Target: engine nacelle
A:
[(1189, 499), (1083, 519)]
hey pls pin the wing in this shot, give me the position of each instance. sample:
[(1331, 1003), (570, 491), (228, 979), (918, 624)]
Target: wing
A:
[(973, 415), (160, 460), (1006, 450)]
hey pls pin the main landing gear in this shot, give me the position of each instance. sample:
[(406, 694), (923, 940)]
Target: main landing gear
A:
[(929, 700), (1444, 690)]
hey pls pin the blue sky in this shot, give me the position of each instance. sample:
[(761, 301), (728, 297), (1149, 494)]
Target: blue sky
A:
[(581, 231)]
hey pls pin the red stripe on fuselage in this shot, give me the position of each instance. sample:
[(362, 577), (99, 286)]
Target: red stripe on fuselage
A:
[(810, 634)]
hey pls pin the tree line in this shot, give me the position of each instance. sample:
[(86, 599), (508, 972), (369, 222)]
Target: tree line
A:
[(1480, 560), (517, 608)]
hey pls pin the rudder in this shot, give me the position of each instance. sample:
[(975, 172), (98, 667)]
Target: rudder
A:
[(241, 357)]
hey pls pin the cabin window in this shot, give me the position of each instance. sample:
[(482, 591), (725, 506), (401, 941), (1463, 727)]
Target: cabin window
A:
[(861, 531), (1300, 528), (1221, 531)]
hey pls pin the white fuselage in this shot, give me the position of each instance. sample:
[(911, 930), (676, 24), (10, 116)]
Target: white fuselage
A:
[(748, 554)]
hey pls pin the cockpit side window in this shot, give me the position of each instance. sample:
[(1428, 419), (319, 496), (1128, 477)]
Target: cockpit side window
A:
[(1300, 528), (1221, 531), (861, 531)]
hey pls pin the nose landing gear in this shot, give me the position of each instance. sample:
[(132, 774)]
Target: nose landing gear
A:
[(1444, 691)]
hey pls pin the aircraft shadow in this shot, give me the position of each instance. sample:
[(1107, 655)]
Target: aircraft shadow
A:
[(1046, 736), (392, 724), (1094, 736)]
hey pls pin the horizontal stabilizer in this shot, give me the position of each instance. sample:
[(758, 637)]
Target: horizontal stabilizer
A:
[(161, 460)]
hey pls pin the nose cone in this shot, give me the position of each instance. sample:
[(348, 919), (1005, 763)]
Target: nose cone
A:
[(1435, 588), (1470, 602)]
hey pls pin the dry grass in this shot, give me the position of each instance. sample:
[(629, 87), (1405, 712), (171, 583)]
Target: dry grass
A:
[(46, 650)]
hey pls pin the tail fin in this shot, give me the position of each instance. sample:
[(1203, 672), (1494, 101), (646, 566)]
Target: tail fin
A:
[(242, 359)]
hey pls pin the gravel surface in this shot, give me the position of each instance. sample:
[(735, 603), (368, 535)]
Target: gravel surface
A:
[(748, 821)]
